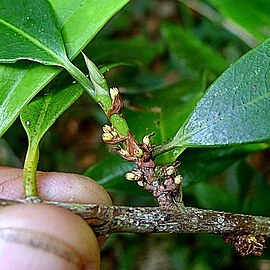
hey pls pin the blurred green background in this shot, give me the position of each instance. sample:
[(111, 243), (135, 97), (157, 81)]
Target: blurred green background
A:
[(163, 55)]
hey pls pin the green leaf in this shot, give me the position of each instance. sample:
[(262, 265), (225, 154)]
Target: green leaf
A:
[(185, 46), (29, 30), (128, 50), (216, 198), (253, 16), (161, 111), (236, 107), (258, 202), (38, 116), (245, 174), (79, 21), (202, 164), (110, 174), (19, 83)]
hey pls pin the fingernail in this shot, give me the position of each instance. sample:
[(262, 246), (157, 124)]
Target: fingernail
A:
[(28, 249)]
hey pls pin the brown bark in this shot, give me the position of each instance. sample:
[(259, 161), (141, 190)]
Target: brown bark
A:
[(245, 232)]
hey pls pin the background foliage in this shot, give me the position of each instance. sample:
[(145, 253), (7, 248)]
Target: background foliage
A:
[(163, 55)]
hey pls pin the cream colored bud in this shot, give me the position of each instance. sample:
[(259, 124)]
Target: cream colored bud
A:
[(138, 152), (178, 179), (114, 92), (146, 140), (114, 133), (107, 136), (107, 129), (140, 183), (170, 170), (130, 176), (123, 152)]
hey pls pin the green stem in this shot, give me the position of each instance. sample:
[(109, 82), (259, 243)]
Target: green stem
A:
[(120, 124), (81, 79), (100, 96), (163, 148), (29, 171)]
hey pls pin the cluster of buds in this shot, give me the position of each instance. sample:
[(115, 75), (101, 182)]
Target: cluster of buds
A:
[(167, 190), (163, 182), (110, 135), (130, 150), (135, 175), (170, 174), (114, 92)]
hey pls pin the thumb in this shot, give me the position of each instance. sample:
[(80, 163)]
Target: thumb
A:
[(45, 237)]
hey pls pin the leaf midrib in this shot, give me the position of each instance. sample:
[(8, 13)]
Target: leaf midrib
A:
[(60, 61)]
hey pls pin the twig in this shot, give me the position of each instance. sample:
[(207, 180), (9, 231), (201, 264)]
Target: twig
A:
[(244, 231)]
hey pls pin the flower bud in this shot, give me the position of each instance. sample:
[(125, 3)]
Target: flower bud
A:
[(114, 92), (114, 133), (170, 170), (107, 136), (107, 129), (138, 152), (178, 179), (146, 140), (138, 174), (130, 176), (140, 183)]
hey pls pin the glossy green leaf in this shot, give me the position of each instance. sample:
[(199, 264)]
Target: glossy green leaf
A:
[(202, 164), (159, 111), (258, 202), (236, 107), (110, 168), (38, 116), (19, 83), (79, 21), (29, 30), (128, 50), (244, 176), (110, 174), (253, 16), (185, 46), (216, 198)]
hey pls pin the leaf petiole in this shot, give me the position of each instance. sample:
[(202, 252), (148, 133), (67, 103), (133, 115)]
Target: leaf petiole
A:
[(29, 170)]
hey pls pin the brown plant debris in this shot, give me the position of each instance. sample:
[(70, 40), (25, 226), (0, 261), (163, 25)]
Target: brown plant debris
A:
[(117, 102), (246, 244)]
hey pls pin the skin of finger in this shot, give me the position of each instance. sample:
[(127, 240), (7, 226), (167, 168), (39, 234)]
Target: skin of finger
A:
[(50, 222), (63, 187)]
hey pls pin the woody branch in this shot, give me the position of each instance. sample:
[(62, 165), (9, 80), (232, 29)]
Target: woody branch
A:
[(245, 232)]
